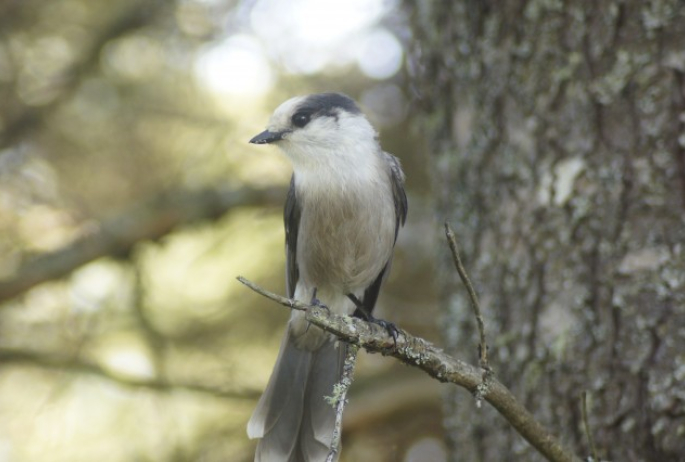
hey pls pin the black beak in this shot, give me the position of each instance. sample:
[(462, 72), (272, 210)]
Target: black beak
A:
[(267, 137)]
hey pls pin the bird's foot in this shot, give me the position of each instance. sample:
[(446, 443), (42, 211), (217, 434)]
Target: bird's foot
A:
[(316, 302), (389, 327), (362, 313)]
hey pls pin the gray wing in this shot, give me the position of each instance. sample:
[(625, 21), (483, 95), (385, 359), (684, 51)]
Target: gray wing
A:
[(398, 194), (291, 219), (401, 206)]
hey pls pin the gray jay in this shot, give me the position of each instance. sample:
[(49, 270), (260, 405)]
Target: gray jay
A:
[(342, 214)]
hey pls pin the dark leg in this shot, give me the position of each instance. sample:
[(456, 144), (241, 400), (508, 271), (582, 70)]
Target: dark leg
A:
[(360, 306)]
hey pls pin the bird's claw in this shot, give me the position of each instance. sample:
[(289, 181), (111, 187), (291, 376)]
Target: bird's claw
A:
[(361, 313), (389, 327), (316, 302)]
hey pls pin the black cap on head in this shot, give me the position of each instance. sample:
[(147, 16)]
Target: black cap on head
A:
[(328, 104)]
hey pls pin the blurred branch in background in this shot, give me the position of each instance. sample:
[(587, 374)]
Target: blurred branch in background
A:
[(132, 16), (149, 221), (75, 365)]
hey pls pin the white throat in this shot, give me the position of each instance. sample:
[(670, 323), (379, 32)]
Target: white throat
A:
[(328, 157)]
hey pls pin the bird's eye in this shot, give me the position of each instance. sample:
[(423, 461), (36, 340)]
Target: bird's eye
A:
[(301, 119)]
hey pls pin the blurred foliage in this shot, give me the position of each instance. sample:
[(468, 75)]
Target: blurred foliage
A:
[(156, 353)]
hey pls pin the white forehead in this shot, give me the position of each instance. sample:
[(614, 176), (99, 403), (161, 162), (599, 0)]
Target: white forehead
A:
[(283, 113)]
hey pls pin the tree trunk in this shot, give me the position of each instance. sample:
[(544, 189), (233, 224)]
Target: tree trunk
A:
[(556, 133)]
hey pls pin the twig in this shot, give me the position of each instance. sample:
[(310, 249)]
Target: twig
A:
[(586, 424), (339, 398), (418, 352), (482, 346), (483, 387)]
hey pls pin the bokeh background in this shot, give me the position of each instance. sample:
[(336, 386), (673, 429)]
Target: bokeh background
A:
[(130, 200)]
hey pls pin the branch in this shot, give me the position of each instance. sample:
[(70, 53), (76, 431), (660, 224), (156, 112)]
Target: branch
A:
[(417, 352), (118, 235)]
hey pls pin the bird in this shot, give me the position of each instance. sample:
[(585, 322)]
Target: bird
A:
[(343, 211)]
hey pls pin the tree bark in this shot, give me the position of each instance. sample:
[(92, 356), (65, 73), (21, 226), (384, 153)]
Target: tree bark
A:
[(556, 134)]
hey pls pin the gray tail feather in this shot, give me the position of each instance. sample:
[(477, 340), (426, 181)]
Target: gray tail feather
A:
[(293, 420)]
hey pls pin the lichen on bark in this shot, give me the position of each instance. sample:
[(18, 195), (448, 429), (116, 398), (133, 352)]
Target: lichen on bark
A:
[(556, 135)]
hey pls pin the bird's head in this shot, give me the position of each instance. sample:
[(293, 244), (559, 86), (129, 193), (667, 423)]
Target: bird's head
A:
[(311, 129)]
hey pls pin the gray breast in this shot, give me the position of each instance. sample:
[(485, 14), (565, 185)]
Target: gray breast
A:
[(346, 235)]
